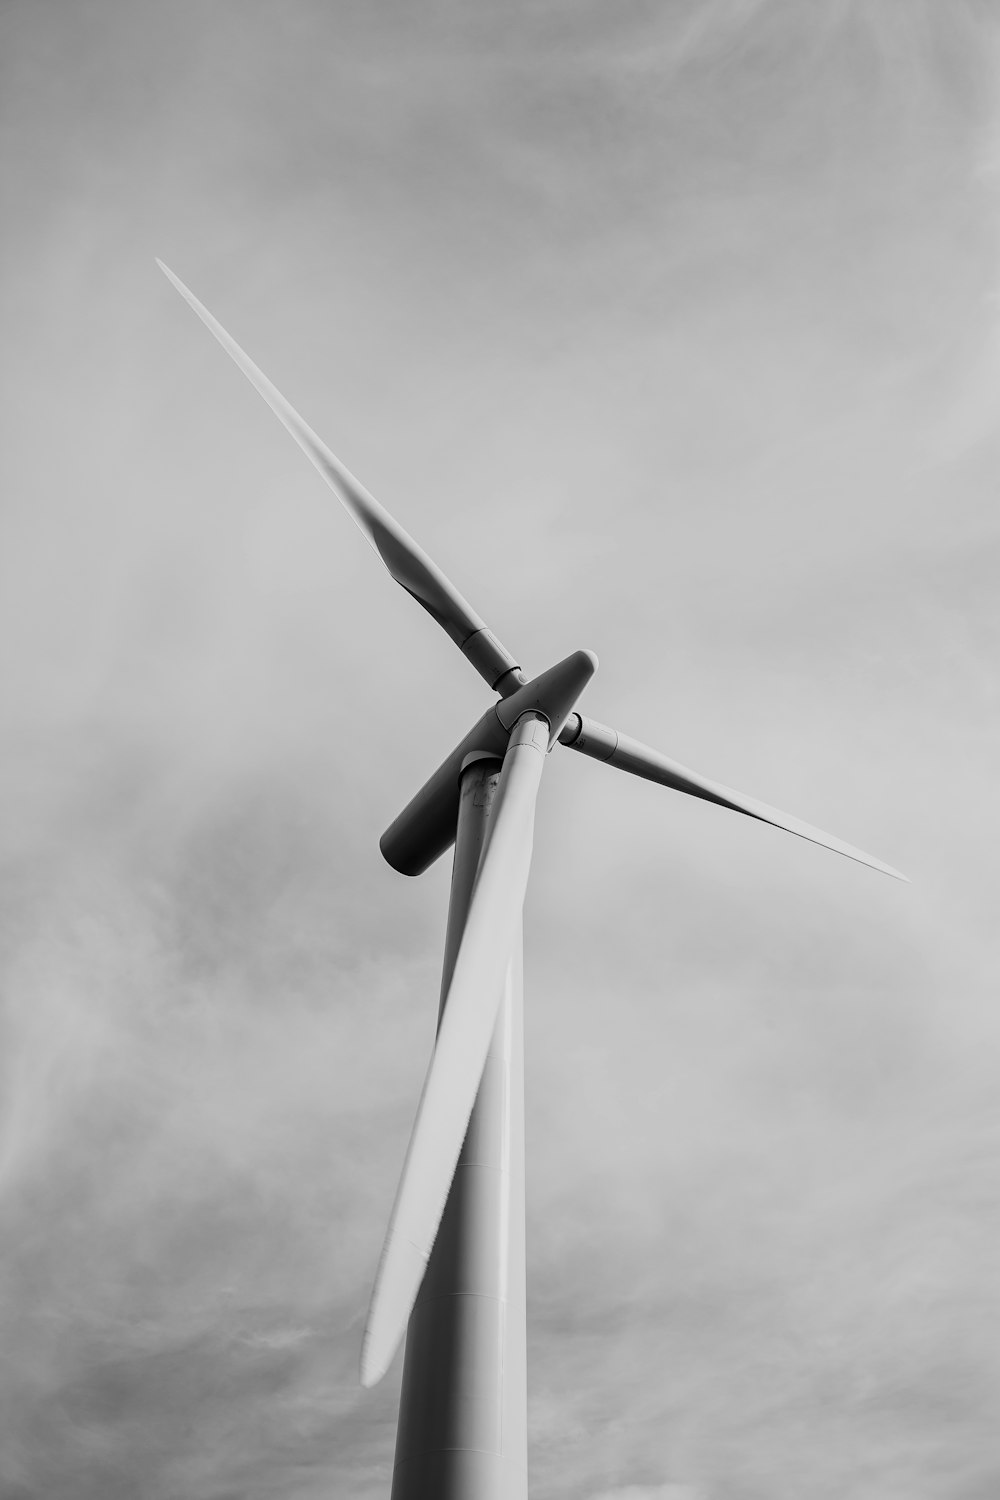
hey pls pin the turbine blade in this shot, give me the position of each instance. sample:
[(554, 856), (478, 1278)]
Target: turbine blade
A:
[(602, 743), (463, 1042), (407, 563)]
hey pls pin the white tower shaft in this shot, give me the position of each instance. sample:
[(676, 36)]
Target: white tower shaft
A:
[(462, 1420)]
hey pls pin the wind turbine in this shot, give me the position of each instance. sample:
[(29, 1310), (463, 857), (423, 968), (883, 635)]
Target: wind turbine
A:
[(451, 1273)]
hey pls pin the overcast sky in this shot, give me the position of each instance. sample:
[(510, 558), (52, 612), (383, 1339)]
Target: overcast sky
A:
[(670, 330)]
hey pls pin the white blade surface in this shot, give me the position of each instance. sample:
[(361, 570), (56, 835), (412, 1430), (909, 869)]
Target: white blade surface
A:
[(407, 563), (463, 1042), (605, 744)]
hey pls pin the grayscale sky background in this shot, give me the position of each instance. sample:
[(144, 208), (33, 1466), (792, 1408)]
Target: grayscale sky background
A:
[(671, 330)]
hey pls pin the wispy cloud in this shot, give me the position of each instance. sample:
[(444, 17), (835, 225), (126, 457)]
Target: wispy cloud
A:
[(669, 330)]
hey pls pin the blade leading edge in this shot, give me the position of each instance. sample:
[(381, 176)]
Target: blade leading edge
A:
[(605, 744), (407, 563), (463, 1042)]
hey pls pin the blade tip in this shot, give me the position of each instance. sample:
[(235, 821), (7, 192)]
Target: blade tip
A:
[(177, 284), (376, 1357), (871, 863), (881, 868)]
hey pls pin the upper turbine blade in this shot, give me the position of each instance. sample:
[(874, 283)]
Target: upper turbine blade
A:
[(602, 743), (407, 563), (463, 1042)]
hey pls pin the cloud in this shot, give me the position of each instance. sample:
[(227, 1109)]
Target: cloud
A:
[(649, 1492), (665, 331)]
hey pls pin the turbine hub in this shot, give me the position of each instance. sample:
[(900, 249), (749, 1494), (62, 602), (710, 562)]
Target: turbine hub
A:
[(552, 693)]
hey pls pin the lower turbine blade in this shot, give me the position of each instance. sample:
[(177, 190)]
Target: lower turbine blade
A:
[(462, 1045), (602, 743)]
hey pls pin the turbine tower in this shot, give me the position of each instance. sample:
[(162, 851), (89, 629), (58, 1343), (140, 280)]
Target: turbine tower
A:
[(451, 1273)]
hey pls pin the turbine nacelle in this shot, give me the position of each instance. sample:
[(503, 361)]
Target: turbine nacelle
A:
[(426, 826)]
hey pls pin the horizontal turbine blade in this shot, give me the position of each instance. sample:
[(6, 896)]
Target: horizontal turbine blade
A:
[(463, 1042), (407, 563), (605, 744)]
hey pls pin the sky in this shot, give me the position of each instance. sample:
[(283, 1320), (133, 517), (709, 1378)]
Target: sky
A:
[(671, 331)]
